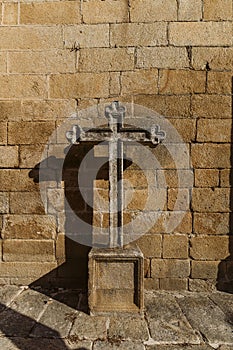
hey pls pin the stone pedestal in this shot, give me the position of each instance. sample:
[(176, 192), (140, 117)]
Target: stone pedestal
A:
[(116, 280)]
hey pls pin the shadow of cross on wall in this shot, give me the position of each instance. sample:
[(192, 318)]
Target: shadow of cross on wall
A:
[(73, 272)]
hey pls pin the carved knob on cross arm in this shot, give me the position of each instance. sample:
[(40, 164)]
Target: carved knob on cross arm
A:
[(74, 134), (156, 134)]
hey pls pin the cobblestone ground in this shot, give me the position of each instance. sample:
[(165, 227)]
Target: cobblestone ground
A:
[(57, 319)]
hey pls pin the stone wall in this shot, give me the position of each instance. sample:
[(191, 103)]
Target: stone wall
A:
[(174, 57)]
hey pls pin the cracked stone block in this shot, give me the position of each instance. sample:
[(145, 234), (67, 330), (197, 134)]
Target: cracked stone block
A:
[(87, 327), (55, 322), (7, 293), (180, 347), (207, 318), (118, 345), (167, 322), (132, 328), (17, 343)]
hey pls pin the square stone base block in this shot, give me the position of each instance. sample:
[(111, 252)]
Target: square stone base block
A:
[(116, 280)]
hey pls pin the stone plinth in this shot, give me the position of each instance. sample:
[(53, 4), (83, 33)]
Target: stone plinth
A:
[(116, 280)]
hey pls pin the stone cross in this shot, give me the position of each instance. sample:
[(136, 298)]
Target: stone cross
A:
[(116, 135)]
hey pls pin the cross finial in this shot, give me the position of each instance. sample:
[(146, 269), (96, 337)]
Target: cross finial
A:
[(115, 113)]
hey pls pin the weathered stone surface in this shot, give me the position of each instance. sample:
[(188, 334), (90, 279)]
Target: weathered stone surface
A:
[(28, 271), (3, 133), (44, 110), (207, 155), (64, 12), (198, 285), (16, 343), (175, 178), (200, 33), (214, 130), (181, 82), (171, 106), (224, 302), (139, 81), (225, 178), (30, 37), (55, 322), (211, 223), (106, 59), (211, 106), (54, 61), (120, 345), (80, 36), (175, 246), (149, 11), (4, 202), (116, 280), (176, 284), (209, 247), (25, 86), (218, 10), (26, 203), (217, 58), (211, 200), (170, 268), (122, 327), (28, 250), (29, 132), (147, 34), (80, 85), (170, 326), (16, 322), (87, 327), (78, 344), (3, 62), (204, 269), (30, 303), (206, 177), (190, 10), (219, 82), (183, 203), (151, 245), (10, 16), (205, 317), (9, 157), (162, 57), (29, 227), (179, 347), (108, 11), (7, 294)]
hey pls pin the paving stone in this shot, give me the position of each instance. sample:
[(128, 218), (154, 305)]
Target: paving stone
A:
[(207, 318), (78, 344), (179, 347), (167, 323), (225, 302), (133, 328), (20, 317), (7, 293), (30, 303), (118, 345), (14, 324), (55, 322), (32, 344), (88, 327)]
